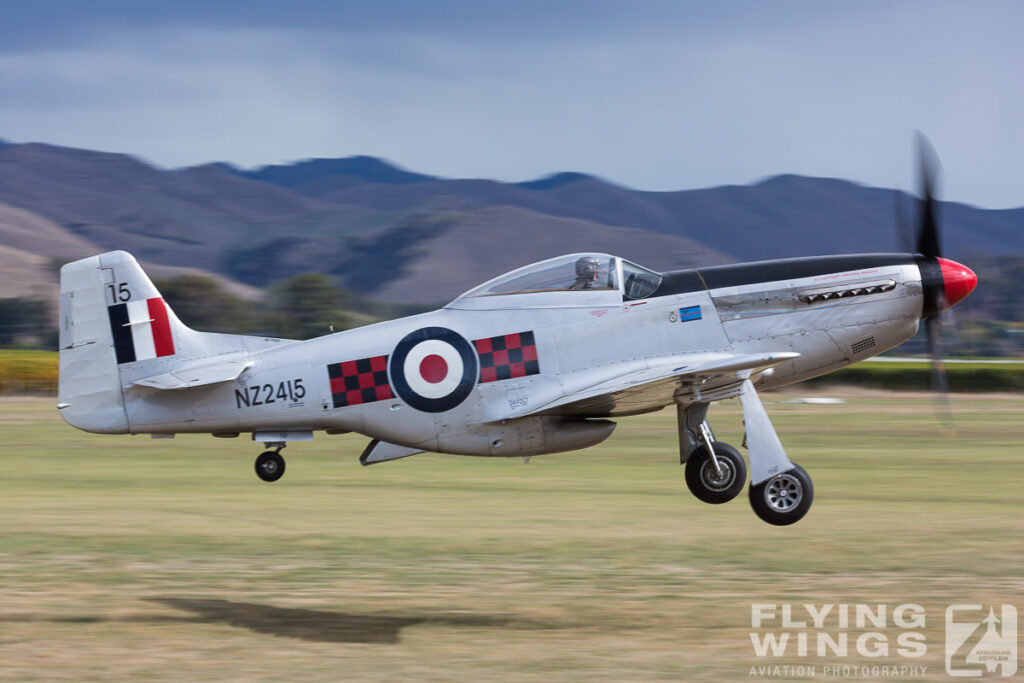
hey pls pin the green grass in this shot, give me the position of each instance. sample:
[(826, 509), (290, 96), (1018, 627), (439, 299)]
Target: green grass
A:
[(128, 558)]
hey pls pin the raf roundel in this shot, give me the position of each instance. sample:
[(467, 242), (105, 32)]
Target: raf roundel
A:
[(433, 369)]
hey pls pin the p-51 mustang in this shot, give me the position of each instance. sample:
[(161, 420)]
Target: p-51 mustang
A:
[(534, 361)]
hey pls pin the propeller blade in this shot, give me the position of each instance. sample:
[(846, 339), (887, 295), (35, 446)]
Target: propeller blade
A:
[(940, 381), (928, 241), (904, 230), (929, 245)]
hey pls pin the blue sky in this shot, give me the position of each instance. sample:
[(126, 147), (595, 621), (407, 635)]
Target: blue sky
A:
[(653, 95)]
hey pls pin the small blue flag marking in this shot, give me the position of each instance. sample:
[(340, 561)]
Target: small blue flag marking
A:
[(689, 313)]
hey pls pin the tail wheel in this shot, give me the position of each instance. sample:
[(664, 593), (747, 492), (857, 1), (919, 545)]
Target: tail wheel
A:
[(270, 466), (713, 485), (785, 498)]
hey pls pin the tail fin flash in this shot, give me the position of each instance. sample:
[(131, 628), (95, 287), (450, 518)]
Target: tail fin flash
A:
[(111, 314), (141, 330)]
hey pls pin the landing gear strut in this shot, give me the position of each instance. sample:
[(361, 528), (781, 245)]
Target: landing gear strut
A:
[(270, 464)]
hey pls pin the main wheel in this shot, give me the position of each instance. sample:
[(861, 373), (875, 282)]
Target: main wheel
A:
[(709, 485), (269, 466), (783, 499)]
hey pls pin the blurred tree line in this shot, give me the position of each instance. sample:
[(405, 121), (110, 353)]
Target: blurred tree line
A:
[(1000, 283), (989, 322), (27, 322), (302, 307)]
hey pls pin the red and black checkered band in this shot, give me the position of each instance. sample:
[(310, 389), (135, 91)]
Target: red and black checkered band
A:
[(507, 356), (433, 369), (359, 381)]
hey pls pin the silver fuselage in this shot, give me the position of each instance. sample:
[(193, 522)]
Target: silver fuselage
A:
[(833, 311)]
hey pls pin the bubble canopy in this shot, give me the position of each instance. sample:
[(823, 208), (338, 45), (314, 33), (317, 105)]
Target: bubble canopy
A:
[(572, 273)]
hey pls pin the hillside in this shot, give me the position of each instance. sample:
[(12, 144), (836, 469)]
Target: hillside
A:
[(778, 217), (513, 237), (184, 217), (392, 233), (32, 248)]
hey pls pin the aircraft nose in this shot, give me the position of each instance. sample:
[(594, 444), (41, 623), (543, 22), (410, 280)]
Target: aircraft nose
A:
[(958, 281)]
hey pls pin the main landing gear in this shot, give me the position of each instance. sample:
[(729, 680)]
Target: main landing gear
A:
[(780, 492), (270, 464)]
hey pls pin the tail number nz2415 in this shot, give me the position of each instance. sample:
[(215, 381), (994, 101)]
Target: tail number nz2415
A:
[(287, 391)]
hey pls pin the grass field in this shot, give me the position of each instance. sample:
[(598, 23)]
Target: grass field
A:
[(128, 558)]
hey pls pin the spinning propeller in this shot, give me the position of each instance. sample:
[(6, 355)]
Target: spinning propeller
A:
[(944, 282)]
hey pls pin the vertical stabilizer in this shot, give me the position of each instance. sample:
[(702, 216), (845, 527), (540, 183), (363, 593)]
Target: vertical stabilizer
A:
[(111, 315)]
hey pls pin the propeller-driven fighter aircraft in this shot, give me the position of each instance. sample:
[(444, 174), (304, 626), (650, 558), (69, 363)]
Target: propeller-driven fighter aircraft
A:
[(534, 361)]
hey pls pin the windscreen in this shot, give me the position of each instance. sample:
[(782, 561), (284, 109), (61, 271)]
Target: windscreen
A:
[(640, 283), (575, 273)]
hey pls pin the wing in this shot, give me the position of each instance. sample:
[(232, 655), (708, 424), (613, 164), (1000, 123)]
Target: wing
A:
[(630, 390)]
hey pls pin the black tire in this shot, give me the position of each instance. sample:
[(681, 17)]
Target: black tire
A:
[(701, 477), (269, 466), (785, 498)]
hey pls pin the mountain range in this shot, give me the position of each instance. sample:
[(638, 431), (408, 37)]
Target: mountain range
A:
[(403, 236)]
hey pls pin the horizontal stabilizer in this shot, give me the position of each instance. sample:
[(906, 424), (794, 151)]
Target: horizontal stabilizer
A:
[(197, 375), (382, 451)]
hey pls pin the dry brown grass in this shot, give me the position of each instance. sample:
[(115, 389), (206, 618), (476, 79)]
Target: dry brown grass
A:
[(125, 559)]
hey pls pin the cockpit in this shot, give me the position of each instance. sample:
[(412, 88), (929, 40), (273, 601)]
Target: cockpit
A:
[(578, 273)]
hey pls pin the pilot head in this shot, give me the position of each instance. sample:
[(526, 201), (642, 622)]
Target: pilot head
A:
[(586, 269)]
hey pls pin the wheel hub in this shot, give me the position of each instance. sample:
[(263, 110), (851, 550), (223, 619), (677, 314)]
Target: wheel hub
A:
[(783, 493), (715, 481)]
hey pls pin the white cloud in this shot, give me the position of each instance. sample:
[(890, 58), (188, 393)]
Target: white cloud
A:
[(828, 98)]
